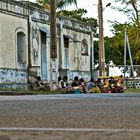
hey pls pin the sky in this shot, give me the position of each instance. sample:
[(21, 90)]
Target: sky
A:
[(108, 14)]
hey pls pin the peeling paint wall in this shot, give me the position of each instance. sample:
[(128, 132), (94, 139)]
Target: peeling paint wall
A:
[(12, 74), (39, 21), (13, 78), (36, 53), (36, 42), (73, 28), (9, 25), (78, 30), (77, 61)]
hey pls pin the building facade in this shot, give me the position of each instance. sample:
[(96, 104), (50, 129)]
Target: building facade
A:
[(25, 46)]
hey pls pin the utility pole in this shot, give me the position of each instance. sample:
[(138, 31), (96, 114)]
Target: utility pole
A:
[(53, 45), (126, 44), (101, 40)]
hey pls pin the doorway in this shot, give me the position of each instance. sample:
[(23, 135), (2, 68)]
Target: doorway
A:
[(43, 56)]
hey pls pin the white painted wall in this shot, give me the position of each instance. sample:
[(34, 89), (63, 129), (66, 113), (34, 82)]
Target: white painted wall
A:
[(8, 26)]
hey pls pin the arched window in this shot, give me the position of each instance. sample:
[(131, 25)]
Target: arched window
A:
[(84, 47), (21, 49)]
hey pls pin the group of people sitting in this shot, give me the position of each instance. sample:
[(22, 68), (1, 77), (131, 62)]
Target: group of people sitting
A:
[(100, 85), (77, 84), (106, 85)]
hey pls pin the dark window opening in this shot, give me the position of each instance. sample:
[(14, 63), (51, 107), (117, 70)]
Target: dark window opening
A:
[(21, 49), (66, 42), (84, 47), (66, 53)]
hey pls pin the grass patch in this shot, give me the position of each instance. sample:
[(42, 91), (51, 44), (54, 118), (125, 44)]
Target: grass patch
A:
[(28, 92), (132, 90)]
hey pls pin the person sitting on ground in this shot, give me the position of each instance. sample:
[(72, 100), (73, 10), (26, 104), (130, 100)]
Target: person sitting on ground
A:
[(65, 79), (39, 84), (99, 84), (63, 85), (105, 86), (75, 84), (119, 85), (82, 85), (92, 86), (67, 86), (112, 85), (59, 82)]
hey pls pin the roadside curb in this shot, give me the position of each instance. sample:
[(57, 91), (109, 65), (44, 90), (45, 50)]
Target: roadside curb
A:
[(15, 93)]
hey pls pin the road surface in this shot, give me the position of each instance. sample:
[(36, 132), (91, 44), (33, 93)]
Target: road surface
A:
[(72, 116)]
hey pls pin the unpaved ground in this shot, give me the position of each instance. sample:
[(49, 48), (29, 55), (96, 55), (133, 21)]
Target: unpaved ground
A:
[(52, 135)]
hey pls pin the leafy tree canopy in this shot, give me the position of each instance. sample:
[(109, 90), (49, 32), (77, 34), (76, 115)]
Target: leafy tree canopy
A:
[(79, 15), (130, 8), (114, 46), (60, 3)]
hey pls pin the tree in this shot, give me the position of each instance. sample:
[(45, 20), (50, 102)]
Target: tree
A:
[(131, 9), (76, 14), (59, 3), (115, 45), (79, 14)]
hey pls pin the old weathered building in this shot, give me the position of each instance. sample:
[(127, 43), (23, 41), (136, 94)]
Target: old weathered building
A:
[(25, 45)]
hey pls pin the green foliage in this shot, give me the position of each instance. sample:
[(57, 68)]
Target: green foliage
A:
[(79, 15), (114, 50), (60, 3), (42, 2), (115, 46), (76, 14), (129, 7)]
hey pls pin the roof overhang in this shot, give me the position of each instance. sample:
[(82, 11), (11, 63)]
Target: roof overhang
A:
[(45, 30), (72, 39)]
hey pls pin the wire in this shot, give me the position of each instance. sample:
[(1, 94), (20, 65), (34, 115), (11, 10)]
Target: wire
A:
[(88, 5)]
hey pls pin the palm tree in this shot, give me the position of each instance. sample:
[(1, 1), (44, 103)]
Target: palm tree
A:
[(59, 3)]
